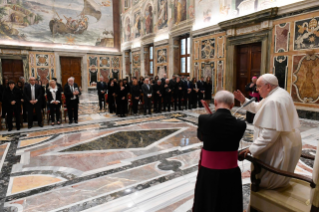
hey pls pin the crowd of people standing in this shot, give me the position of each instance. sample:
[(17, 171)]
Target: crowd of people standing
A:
[(30, 99), (162, 95)]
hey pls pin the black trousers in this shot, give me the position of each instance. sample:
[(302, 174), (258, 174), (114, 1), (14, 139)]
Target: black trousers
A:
[(158, 104), (55, 110), (200, 97), (38, 111), (101, 99), (73, 110), (25, 112), (178, 102), (188, 101), (111, 104), (147, 105), (16, 109), (167, 102), (194, 100), (135, 105)]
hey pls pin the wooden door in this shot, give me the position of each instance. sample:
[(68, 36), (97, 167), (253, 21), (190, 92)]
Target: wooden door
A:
[(12, 69), (248, 65), (71, 67)]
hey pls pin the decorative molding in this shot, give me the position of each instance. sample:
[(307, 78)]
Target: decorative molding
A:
[(136, 49), (302, 5), (250, 19), (161, 42), (206, 31), (148, 39), (182, 28)]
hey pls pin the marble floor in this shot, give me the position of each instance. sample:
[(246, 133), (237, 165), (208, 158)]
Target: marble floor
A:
[(106, 163)]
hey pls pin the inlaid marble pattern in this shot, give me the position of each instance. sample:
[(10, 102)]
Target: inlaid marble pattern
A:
[(146, 163)]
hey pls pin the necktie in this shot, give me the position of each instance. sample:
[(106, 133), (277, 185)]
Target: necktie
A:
[(148, 87), (32, 92)]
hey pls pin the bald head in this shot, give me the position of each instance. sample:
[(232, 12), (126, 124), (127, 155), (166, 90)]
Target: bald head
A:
[(224, 99), (32, 80)]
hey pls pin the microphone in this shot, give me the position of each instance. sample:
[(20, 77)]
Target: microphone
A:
[(246, 104)]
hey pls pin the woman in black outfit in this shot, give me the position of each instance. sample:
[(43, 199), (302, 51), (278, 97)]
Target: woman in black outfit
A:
[(208, 90), (135, 91), (251, 88), (121, 99), (12, 99), (54, 100), (195, 91), (111, 95)]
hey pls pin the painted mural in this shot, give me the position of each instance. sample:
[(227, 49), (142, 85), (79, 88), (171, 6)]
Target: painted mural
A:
[(180, 10), (162, 17), (211, 12), (137, 28), (306, 78), (307, 34), (149, 19), (74, 22), (162, 56)]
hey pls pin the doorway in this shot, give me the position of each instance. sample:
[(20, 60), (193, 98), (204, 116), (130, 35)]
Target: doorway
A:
[(248, 65), (12, 69), (71, 67)]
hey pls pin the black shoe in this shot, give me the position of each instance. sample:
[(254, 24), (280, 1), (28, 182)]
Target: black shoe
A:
[(76, 121), (29, 127), (70, 122), (9, 130), (40, 125), (18, 129)]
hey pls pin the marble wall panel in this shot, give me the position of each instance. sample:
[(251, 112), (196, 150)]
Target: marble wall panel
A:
[(161, 59), (220, 47), (208, 49), (282, 34), (280, 69), (220, 76), (306, 34), (42, 66), (196, 50), (305, 87)]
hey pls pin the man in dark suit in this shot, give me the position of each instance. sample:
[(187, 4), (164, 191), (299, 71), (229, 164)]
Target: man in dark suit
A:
[(218, 163), (158, 94), (188, 93), (101, 90), (33, 97), (167, 95), (72, 93), (164, 79), (147, 90), (201, 87), (24, 103), (178, 93)]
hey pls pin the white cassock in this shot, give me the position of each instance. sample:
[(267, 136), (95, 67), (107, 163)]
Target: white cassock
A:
[(277, 139)]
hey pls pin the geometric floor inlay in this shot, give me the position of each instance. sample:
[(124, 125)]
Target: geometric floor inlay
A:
[(123, 140)]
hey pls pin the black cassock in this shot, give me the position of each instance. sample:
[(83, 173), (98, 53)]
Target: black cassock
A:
[(219, 189)]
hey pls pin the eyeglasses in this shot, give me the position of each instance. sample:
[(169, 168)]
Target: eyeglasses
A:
[(260, 86)]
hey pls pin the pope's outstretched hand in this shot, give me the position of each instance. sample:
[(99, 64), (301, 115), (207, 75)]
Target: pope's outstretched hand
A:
[(239, 96)]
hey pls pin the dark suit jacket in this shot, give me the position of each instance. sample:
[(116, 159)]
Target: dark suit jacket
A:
[(14, 95), (68, 93), (220, 131), (38, 93), (147, 91), (99, 87), (159, 88), (58, 95)]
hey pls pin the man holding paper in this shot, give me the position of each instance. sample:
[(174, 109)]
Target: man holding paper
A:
[(277, 139)]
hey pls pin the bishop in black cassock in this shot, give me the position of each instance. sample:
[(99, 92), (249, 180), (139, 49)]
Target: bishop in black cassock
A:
[(219, 186)]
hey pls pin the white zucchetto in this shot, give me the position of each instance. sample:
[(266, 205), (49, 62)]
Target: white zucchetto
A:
[(271, 79)]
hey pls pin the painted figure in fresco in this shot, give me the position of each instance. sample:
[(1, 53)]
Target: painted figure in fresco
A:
[(128, 30), (180, 11), (161, 58), (149, 19), (207, 15), (162, 17), (137, 25), (161, 72)]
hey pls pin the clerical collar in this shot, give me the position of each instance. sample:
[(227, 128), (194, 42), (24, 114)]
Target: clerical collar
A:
[(271, 92), (223, 110)]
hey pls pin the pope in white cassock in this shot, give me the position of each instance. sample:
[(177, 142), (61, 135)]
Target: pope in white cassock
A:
[(277, 139)]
